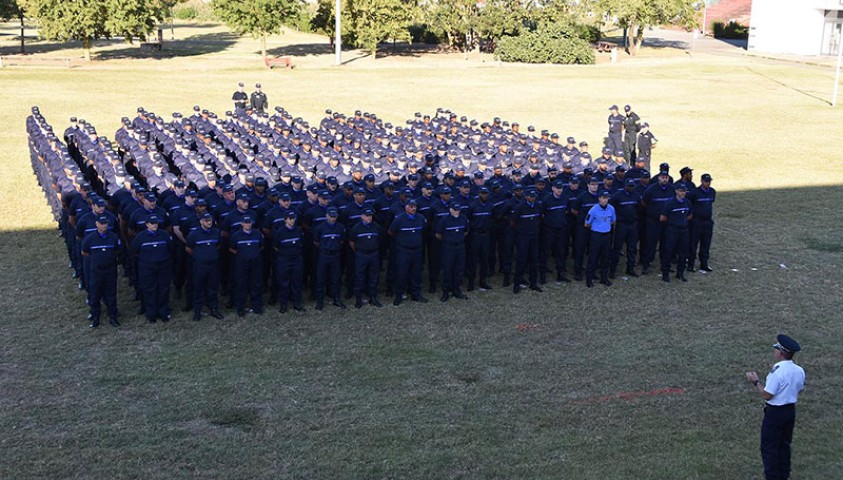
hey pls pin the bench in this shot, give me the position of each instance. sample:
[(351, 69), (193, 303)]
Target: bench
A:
[(23, 60), (283, 62), (150, 46), (606, 46)]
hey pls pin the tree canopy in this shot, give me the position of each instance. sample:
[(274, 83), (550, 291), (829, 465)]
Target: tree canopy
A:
[(258, 18), (637, 15)]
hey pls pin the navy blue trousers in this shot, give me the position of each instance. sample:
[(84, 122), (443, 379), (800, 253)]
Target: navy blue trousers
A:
[(480, 245), (205, 279), (776, 435), (328, 275), (154, 283), (598, 254), (366, 273), (408, 268), (248, 281), (453, 267), (289, 277), (675, 243), (625, 234), (102, 287), (701, 233), (527, 249)]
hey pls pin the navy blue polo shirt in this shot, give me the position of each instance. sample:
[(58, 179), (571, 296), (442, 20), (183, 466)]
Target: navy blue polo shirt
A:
[(102, 249), (366, 237), (527, 217), (583, 204), (151, 246), (288, 242), (555, 210), (677, 212), (655, 197), (408, 230), (247, 244), (702, 200), (205, 245), (480, 216), (626, 206), (453, 230), (330, 237)]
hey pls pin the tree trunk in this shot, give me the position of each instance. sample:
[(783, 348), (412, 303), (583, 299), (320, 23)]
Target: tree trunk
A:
[(263, 46), (630, 41), (86, 45), (22, 45), (466, 46), (639, 38)]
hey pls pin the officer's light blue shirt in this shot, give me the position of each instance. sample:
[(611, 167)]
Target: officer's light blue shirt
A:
[(600, 218)]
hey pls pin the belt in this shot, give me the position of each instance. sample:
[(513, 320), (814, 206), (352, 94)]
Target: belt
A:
[(787, 406), (367, 252), (412, 249), (600, 233), (453, 244)]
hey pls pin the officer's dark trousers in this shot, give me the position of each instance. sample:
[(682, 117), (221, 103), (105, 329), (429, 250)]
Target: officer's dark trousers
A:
[(289, 275), (598, 254), (434, 262), (557, 245), (205, 279), (480, 244), (615, 142), (328, 275), (179, 264), (366, 273), (629, 148), (248, 281), (348, 258), (527, 249), (507, 250), (701, 233), (453, 266), (583, 236), (653, 235), (154, 280), (675, 244), (102, 286), (776, 435), (496, 242), (408, 267), (625, 234)]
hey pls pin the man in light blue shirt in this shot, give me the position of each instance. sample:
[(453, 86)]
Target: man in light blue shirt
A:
[(600, 220)]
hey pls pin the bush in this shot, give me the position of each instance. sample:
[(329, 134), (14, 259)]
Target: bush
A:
[(421, 33), (732, 30), (187, 12), (194, 10), (544, 47)]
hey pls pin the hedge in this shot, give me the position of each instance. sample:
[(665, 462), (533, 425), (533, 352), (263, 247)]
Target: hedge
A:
[(542, 47)]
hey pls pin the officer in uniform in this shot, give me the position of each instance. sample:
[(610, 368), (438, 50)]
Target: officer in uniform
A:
[(675, 215), (288, 243), (600, 219), (626, 204), (240, 99), (451, 231), (702, 228), (203, 246), (654, 198), (480, 215), (555, 225), (364, 239), (154, 250), (328, 238), (407, 230), (245, 245), (100, 248), (526, 221), (784, 384), (631, 125), (614, 141), (258, 100), (580, 208)]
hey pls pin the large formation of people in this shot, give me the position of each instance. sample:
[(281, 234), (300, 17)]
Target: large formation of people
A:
[(258, 201)]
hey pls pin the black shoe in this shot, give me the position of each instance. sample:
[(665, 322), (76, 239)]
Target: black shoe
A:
[(485, 286), (216, 314), (562, 278), (505, 280), (349, 294), (461, 296), (646, 270), (94, 324), (470, 286), (375, 303), (241, 313), (589, 283), (666, 277), (166, 318), (631, 272), (681, 276), (536, 288), (691, 268), (320, 305), (706, 268), (578, 277), (358, 303), (543, 280), (606, 282), (338, 303), (229, 305), (420, 299), (444, 297), (197, 316), (397, 300), (114, 323), (187, 308), (258, 311), (516, 288), (299, 308)]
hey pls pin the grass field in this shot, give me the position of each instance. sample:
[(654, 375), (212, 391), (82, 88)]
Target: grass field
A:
[(528, 387)]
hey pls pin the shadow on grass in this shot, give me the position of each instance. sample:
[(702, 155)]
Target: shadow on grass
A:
[(189, 47), (803, 92)]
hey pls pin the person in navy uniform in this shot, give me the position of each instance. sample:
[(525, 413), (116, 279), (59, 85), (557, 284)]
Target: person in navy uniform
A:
[(451, 231), (258, 100), (526, 221), (615, 139), (480, 215), (784, 383), (365, 239), (555, 225), (599, 220), (702, 228), (153, 248), (675, 215), (240, 99), (100, 248), (328, 238), (407, 230), (626, 203), (203, 246), (288, 243), (631, 126), (646, 143), (654, 198), (245, 246), (580, 208)]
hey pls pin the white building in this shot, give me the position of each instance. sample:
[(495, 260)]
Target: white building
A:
[(801, 27)]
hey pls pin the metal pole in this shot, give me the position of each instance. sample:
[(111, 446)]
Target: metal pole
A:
[(338, 32), (837, 74)]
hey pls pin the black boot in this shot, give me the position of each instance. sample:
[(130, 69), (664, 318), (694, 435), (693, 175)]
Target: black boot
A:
[(373, 301), (484, 285), (444, 297), (560, 277), (666, 277), (704, 267), (681, 276), (358, 303), (470, 286), (631, 272)]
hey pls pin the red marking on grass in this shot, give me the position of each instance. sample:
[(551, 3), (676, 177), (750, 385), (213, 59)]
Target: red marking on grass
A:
[(632, 395), (526, 327)]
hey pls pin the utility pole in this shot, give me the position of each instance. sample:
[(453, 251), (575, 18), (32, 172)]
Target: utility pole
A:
[(338, 32), (837, 74)]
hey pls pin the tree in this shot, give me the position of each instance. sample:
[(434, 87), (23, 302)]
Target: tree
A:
[(502, 18), (10, 9), (636, 15), (89, 20), (458, 19), (324, 22), (373, 21), (257, 17)]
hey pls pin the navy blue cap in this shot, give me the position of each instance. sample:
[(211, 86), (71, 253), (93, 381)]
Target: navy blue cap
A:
[(427, 185), (620, 168), (247, 219), (530, 192), (593, 180), (685, 170), (150, 197), (786, 344), (227, 188), (681, 186), (607, 150), (483, 190), (388, 184), (206, 216), (645, 173), (243, 196), (559, 184), (102, 219), (411, 201), (603, 193), (324, 194), (200, 202), (285, 196), (190, 193), (517, 186), (290, 214), (368, 211), (178, 183), (360, 190), (443, 190), (706, 177), (613, 107), (332, 212), (630, 182), (152, 219), (99, 201), (665, 173), (455, 206)]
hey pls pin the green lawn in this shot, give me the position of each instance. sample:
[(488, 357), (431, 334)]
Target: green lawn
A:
[(453, 390)]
